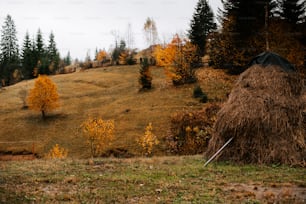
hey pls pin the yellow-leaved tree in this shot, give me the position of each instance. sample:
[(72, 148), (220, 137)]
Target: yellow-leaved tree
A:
[(44, 96), (57, 152), (178, 58), (148, 140), (101, 56), (98, 133)]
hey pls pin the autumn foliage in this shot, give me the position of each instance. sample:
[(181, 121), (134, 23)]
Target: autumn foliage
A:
[(148, 140), (101, 56), (57, 152), (98, 133), (178, 58), (43, 97)]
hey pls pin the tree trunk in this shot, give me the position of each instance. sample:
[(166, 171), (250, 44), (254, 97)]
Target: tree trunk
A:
[(43, 114)]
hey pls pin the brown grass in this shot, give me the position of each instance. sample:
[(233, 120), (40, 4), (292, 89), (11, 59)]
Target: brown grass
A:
[(264, 114), (148, 180), (110, 93)]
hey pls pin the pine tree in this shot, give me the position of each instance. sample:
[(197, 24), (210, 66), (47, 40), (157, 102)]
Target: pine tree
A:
[(52, 54), (201, 25), (8, 47), (40, 48), (27, 57), (67, 59), (96, 54), (41, 57), (118, 50), (145, 78), (293, 11)]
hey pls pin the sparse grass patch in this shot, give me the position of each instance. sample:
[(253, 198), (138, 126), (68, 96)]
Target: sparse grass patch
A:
[(147, 180)]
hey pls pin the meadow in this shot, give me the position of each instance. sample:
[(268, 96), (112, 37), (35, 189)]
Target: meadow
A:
[(148, 180), (109, 93), (113, 93)]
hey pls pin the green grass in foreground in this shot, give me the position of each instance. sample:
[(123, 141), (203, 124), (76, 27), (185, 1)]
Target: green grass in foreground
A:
[(148, 180)]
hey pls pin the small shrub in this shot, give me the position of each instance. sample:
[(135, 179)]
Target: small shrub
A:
[(145, 79), (204, 98), (148, 140), (57, 152), (99, 134), (198, 93), (191, 131)]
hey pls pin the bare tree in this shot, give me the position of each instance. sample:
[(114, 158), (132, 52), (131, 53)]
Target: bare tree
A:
[(130, 37), (150, 31)]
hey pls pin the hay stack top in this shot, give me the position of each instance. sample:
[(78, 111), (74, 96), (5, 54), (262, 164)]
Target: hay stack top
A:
[(270, 58)]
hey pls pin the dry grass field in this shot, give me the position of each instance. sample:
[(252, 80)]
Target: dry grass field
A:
[(110, 93), (148, 180)]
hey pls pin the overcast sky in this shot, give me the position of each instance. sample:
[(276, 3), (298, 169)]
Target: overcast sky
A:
[(80, 26)]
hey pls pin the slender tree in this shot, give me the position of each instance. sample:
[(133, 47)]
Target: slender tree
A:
[(8, 47), (40, 48), (130, 37), (41, 54), (52, 54), (27, 57), (150, 31), (67, 59), (201, 25)]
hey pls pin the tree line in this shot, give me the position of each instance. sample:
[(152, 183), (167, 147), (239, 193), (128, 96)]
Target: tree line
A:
[(248, 28), (34, 57)]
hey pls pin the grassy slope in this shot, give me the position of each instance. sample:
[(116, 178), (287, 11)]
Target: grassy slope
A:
[(111, 93), (150, 180)]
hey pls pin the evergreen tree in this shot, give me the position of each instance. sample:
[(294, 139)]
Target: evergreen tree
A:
[(40, 50), (9, 55), (118, 50), (96, 54), (52, 53), (67, 59), (41, 55), (201, 25), (27, 57), (145, 78), (293, 11)]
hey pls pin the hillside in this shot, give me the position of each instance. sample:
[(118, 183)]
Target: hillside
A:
[(110, 93)]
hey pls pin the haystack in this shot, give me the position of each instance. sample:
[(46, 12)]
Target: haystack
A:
[(264, 114)]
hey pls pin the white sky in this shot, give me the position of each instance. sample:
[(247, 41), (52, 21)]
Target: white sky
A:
[(80, 26)]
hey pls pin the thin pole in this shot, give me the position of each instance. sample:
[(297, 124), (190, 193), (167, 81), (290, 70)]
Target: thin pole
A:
[(218, 151), (267, 26)]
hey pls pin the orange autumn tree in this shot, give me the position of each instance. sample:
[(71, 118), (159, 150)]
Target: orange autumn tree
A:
[(178, 58), (98, 133), (101, 56), (43, 97)]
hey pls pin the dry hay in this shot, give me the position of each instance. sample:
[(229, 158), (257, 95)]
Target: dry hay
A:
[(264, 114)]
